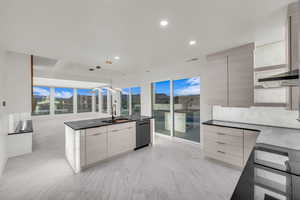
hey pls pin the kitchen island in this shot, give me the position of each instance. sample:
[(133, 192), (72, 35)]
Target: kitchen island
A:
[(88, 142)]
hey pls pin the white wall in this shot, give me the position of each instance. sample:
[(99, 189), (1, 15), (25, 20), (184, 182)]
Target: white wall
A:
[(18, 82), (55, 123), (3, 116)]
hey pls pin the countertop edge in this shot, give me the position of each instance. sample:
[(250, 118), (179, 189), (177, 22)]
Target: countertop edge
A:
[(210, 123), (107, 124)]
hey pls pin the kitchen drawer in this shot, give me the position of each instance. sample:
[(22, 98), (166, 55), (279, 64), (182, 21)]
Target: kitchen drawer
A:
[(218, 155), (234, 150), (120, 141), (96, 147), (121, 126), (92, 131), (223, 130), (225, 138)]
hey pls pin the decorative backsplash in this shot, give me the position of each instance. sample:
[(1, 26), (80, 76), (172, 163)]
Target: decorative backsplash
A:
[(15, 119), (258, 115)]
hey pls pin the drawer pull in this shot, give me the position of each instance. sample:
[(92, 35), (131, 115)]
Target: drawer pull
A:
[(221, 133), (222, 152), (221, 143), (114, 130)]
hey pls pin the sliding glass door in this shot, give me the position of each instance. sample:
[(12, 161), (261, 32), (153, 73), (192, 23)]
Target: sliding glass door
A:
[(161, 107), (186, 99), (176, 108)]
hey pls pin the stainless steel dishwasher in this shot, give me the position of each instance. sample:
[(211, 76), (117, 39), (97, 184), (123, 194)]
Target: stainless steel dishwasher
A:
[(142, 133)]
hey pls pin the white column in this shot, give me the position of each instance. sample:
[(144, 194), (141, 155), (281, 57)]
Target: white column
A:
[(93, 102), (108, 102), (52, 101), (129, 102), (100, 100), (75, 101), (171, 108)]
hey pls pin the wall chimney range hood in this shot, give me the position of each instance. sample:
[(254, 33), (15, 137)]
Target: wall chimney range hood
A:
[(290, 78)]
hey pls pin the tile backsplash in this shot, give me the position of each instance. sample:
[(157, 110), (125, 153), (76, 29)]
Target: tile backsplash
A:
[(258, 115)]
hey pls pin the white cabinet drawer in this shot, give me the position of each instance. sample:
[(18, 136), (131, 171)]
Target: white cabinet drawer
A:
[(234, 150), (92, 131), (223, 130), (120, 141), (225, 138), (96, 147), (122, 126), (219, 155)]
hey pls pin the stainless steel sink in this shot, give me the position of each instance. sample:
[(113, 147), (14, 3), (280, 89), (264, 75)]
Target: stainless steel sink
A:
[(120, 120)]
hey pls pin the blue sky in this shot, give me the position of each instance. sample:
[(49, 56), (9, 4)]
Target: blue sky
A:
[(135, 90), (182, 87), (87, 92), (64, 93), (41, 91)]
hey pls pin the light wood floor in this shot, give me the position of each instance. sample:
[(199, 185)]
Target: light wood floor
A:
[(168, 170)]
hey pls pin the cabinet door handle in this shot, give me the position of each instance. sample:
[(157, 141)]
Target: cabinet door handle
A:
[(222, 152), (221, 143), (221, 133), (114, 130)]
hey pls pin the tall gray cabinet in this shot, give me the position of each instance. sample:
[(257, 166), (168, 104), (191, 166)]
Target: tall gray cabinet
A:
[(229, 77)]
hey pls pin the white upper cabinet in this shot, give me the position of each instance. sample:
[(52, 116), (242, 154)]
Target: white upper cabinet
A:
[(229, 78)]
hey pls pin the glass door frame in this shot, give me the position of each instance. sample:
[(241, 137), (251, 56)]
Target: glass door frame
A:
[(172, 135)]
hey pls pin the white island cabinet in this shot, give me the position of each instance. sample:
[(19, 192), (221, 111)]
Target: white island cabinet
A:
[(88, 146)]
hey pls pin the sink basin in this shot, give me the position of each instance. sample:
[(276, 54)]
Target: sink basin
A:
[(120, 120)]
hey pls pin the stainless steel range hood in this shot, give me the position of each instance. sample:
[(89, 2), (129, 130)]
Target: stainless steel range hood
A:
[(290, 78)]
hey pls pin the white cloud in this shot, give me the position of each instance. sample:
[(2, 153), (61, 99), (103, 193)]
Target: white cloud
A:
[(63, 95), (194, 81), (40, 91), (190, 90)]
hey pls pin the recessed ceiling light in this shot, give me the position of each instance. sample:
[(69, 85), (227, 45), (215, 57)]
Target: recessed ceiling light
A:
[(164, 23), (117, 58), (193, 42)]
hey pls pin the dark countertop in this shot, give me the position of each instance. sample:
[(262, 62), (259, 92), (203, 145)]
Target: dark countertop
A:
[(94, 123), (28, 128), (278, 136)]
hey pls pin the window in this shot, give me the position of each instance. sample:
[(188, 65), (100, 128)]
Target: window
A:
[(41, 100), (125, 101), (186, 101), (161, 107), (97, 100), (136, 101), (84, 100), (104, 100), (63, 100)]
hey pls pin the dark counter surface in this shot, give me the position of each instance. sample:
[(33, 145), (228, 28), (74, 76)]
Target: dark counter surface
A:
[(21, 130), (98, 122)]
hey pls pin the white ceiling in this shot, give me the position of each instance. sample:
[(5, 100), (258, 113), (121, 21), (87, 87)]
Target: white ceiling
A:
[(91, 31)]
